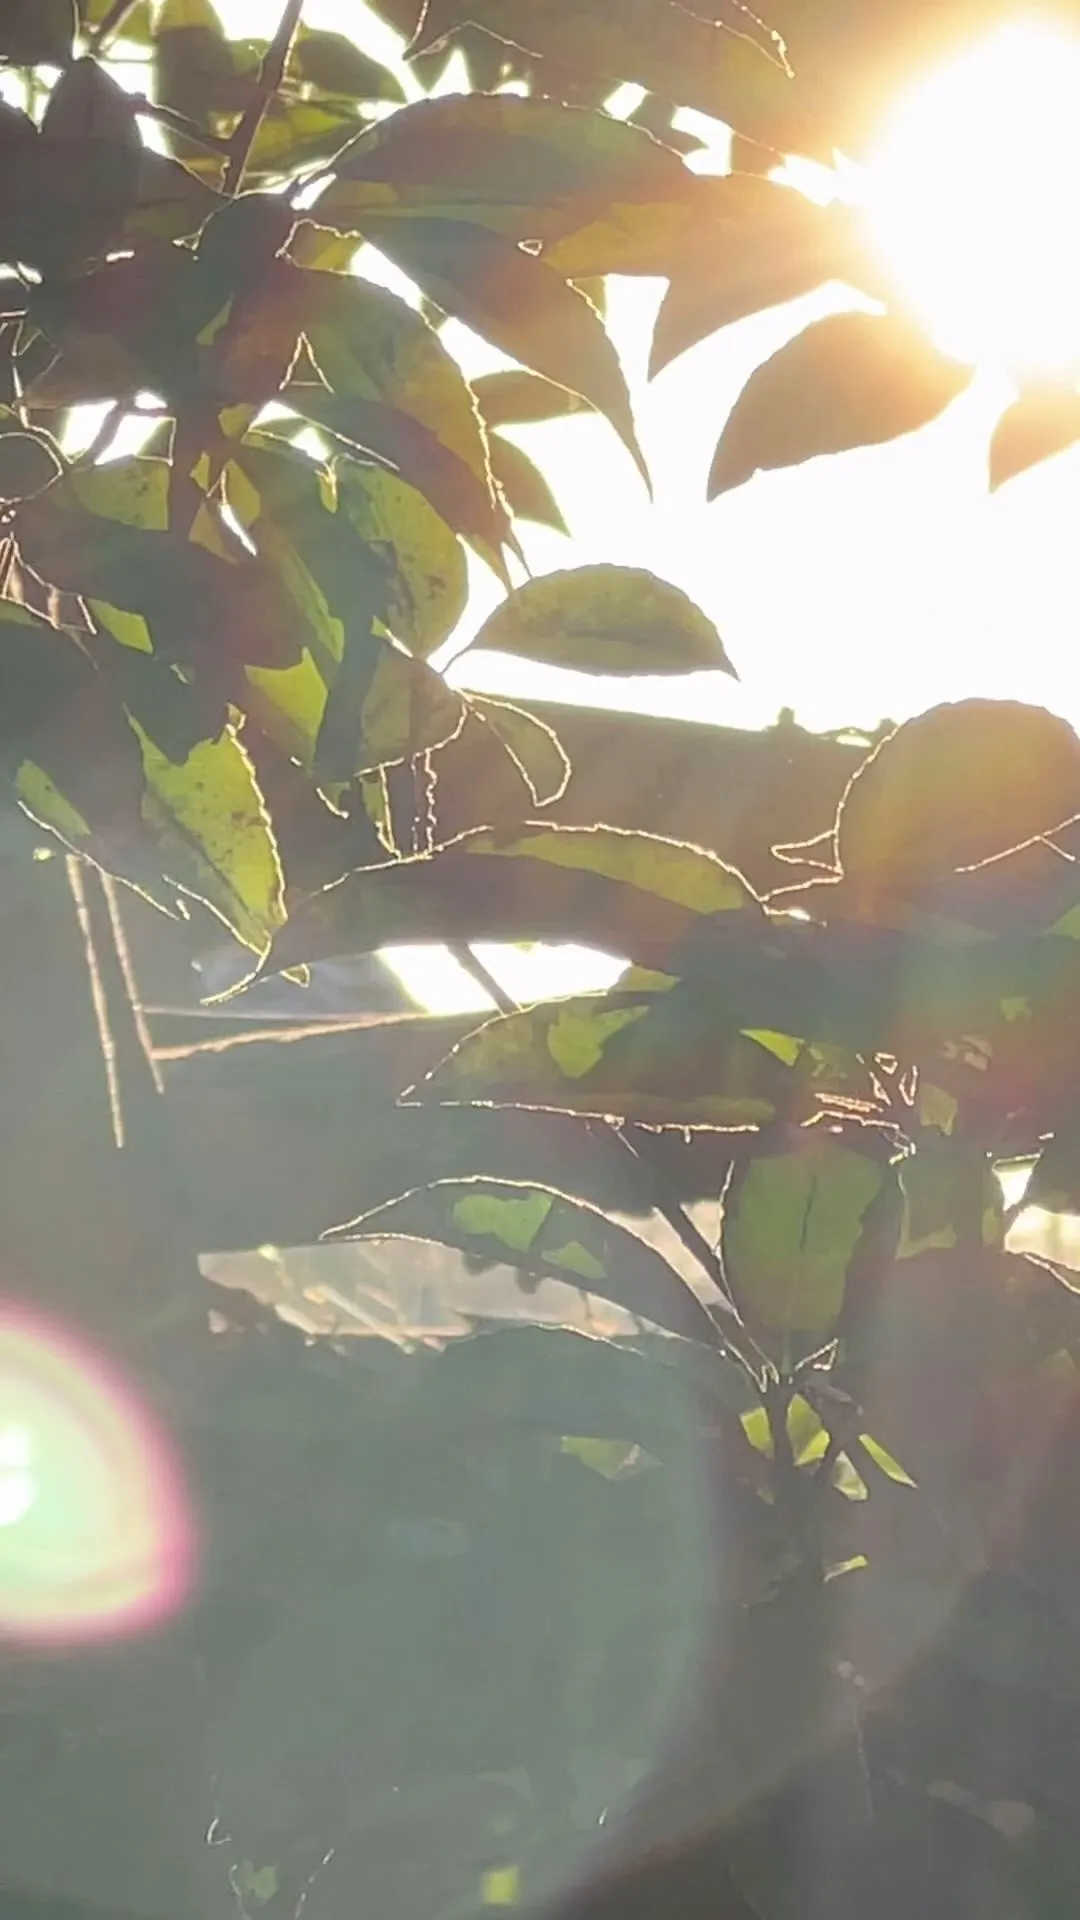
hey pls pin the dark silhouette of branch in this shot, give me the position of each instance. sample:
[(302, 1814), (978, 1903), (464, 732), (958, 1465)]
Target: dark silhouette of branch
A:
[(270, 78)]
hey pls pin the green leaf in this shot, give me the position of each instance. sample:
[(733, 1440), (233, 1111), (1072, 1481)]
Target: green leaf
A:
[(524, 487), (605, 619), (459, 496), (353, 702), (1044, 420), (383, 707), (595, 884), (541, 1231), (428, 581), (209, 818), (659, 1056), (513, 299), (793, 1224), (850, 380), (516, 399), (755, 244), (533, 746), (530, 169), (396, 387), (334, 63)]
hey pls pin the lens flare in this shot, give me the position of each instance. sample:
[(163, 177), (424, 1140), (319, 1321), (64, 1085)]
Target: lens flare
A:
[(972, 195), (96, 1532)]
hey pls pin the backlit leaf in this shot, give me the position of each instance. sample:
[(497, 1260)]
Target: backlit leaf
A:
[(382, 362), (956, 785), (335, 64), (630, 893), (541, 1232), (754, 244), (736, 76), (527, 168), (517, 399), (514, 300), (209, 818), (532, 745), (665, 1058), (850, 380), (605, 619), (1044, 420), (383, 707), (792, 1225), (428, 585)]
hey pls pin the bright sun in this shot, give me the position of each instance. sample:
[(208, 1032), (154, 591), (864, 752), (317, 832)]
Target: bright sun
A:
[(973, 192)]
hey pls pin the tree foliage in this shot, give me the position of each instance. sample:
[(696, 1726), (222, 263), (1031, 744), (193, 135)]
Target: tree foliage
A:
[(219, 683)]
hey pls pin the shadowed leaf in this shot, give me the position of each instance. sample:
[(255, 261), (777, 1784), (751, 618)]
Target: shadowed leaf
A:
[(542, 1232), (605, 619), (850, 380), (514, 300), (523, 486)]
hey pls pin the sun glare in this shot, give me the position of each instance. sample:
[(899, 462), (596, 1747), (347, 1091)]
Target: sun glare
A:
[(973, 193)]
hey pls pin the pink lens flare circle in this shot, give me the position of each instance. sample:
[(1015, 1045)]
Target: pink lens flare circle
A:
[(97, 1538)]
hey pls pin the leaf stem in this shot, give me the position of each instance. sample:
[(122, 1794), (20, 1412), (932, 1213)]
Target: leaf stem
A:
[(666, 1203), (271, 75)]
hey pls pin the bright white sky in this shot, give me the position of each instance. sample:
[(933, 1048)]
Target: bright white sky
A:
[(851, 589)]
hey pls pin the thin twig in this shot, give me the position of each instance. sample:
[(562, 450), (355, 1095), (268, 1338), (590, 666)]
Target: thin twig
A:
[(730, 1325), (179, 123), (111, 23), (271, 75)]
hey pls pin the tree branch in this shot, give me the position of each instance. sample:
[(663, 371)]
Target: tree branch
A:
[(111, 23), (271, 76)]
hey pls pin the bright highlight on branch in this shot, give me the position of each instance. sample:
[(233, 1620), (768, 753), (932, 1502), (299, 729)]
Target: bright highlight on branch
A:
[(973, 193)]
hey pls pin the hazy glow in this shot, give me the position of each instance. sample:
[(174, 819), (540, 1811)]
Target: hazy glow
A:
[(96, 1537), (974, 192)]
